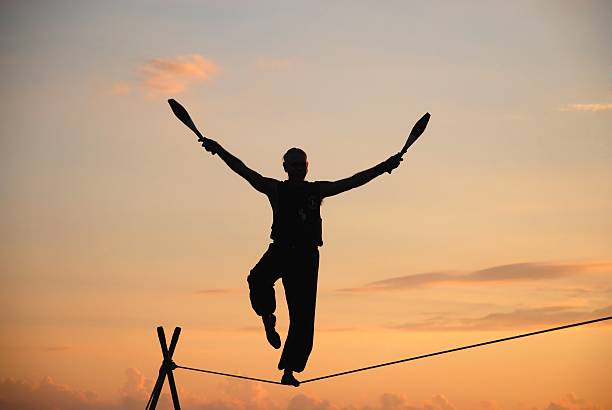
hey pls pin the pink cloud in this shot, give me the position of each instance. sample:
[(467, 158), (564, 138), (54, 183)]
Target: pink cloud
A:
[(517, 319), (588, 107), (516, 272), (174, 75)]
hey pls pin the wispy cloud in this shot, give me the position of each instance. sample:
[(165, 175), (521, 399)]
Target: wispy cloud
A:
[(588, 107), (517, 319), (516, 272), (174, 75), (577, 292)]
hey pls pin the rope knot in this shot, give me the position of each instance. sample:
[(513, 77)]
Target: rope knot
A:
[(168, 364)]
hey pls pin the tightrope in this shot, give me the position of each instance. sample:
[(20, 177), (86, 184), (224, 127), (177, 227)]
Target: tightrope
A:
[(362, 369), (237, 376)]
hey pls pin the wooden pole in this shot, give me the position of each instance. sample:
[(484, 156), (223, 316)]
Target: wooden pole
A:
[(166, 369)]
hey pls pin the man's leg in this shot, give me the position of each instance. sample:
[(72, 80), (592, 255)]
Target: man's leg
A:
[(300, 282), (261, 292)]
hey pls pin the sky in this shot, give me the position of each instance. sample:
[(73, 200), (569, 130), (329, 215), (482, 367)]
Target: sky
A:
[(498, 221)]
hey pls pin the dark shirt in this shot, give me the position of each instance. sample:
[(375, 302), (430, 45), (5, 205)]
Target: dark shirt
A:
[(297, 214)]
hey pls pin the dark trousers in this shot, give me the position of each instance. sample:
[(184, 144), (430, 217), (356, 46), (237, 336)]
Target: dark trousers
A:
[(298, 266)]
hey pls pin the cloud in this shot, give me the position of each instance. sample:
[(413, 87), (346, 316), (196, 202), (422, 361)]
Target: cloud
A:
[(303, 402), (440, 402), (517, 319), (571, 402), (134, 394), (47, 394), (248, 395), (588, 107), (574, 291), (135, 383), (386, 401), (174, 75), (232, 395), (517, 272), (490, 405)]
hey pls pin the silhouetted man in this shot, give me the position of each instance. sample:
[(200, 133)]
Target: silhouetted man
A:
[(293, 254)]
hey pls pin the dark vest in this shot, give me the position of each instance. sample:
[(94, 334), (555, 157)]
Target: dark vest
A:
[(297, 214)]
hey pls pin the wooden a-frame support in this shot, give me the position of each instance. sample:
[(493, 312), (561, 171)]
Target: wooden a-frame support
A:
[(165, 369)]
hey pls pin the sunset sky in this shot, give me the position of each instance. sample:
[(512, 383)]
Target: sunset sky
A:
[(498, 222)]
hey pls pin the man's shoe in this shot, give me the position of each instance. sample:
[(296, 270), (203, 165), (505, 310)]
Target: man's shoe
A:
[(289, 380), (271, 333)]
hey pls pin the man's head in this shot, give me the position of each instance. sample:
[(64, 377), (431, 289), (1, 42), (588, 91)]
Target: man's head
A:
[(295, 164)]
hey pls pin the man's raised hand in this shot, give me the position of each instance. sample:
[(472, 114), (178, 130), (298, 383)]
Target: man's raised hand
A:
[(209, 145), (182, 114), (393, 162)]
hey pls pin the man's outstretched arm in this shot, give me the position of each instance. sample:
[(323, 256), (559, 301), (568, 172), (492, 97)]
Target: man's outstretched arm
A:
[(257, 181), (360, 178)]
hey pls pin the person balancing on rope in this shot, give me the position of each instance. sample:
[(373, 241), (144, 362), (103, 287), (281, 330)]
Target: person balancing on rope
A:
[(293, 255)]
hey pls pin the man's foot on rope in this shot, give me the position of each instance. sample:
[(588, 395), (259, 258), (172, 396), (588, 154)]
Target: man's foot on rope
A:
[(271, 333), (289, 380)]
